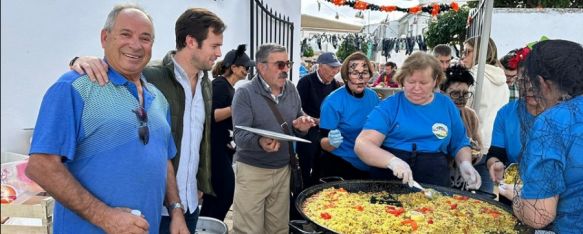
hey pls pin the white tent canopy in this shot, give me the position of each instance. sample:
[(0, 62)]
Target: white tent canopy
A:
[(313, 23)]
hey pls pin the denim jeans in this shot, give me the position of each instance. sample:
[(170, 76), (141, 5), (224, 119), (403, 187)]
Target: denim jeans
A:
[(190, 219)]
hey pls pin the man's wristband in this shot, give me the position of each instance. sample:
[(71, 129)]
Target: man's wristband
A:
[(73, 61), (173, 206)]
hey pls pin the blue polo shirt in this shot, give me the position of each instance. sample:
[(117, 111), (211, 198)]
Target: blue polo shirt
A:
[(435, 127), (95, 131), (347, 113), (512, 121), (553, 163)]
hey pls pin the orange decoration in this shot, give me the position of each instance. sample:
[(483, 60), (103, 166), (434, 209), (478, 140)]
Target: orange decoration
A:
[(360, 5), (435, 10), (338, 2), (388, 8), (455, 6), (415, 10)]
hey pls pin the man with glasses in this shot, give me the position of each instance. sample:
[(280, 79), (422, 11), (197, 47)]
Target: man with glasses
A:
[(511, 72), (104, 152), (182, 76), (262, 177), (313, 88)]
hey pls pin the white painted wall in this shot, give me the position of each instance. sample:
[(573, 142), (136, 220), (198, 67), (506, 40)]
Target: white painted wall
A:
[(514, 28), (39, 38)]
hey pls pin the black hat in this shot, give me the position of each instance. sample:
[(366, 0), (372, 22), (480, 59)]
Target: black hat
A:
[(238, 57)]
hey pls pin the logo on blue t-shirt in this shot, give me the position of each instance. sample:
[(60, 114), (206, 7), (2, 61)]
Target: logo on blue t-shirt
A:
[(439, 130)]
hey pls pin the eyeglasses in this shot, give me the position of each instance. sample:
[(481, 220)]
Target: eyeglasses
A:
[(359, 75), (281, 65), (459, 94), (143, 130), (511, 76), (467, 51)]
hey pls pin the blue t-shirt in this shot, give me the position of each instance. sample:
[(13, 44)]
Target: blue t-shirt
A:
[(347, 113), (435, 127), (95, 130), (507, 128), (553, 163)]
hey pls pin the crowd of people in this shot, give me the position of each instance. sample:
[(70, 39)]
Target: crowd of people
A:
[(129, 146)]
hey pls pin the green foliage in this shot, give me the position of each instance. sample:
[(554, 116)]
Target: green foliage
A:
[(348, 47), (450, 28), (308, 52)]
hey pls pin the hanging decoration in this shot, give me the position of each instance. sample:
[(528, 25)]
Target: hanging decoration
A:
[(433, 9)]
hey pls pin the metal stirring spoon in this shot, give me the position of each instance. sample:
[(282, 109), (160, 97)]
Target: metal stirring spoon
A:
[(428, 192)]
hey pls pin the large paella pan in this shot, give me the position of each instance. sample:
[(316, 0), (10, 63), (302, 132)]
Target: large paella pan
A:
[(391, 207)]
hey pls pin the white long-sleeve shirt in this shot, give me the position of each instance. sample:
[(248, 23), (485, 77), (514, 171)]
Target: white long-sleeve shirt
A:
[(192, 133)]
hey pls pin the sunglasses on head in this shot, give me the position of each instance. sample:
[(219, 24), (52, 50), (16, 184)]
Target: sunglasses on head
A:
[(143, 130), (281, 65)]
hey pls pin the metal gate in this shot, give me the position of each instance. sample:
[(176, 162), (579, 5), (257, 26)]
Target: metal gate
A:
[(269, 26), (480, 22)]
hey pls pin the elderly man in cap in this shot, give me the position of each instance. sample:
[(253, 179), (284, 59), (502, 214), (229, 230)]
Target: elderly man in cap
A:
[(313, 88)]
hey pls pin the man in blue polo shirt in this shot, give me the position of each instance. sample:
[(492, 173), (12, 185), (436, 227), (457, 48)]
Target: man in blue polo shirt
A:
[(104, 152)]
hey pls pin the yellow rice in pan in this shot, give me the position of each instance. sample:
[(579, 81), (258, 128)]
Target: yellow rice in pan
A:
[(347, 212)]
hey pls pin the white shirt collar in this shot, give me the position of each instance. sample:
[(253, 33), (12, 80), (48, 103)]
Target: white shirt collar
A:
[(320, 78)]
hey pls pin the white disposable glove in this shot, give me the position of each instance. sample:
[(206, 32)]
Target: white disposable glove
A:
[(509, 191), (335, 138), (470, 175), (401, 170)]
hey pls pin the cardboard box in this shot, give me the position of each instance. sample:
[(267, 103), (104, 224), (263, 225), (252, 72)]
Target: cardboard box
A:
[(33, 216)]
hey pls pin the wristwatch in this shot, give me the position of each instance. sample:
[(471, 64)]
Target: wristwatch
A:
[(174, 205)]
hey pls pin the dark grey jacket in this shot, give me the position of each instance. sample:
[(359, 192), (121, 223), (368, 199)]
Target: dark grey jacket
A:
[(250, 109)]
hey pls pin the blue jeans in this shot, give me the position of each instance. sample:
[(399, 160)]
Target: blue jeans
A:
[(190, 219)]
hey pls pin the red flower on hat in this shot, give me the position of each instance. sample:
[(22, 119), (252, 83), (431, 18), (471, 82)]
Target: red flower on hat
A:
[(455, 6), (360, 5), (519, 56), (435, 9)]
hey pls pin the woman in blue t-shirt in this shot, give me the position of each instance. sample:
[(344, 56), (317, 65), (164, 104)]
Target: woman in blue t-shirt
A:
[(342, 116), (511, 126), (413, 132), (551, 167)]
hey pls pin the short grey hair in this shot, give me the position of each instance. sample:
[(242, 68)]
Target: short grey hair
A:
[(112, 16), (266, 49)]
